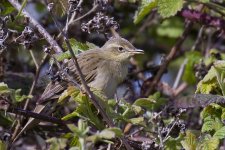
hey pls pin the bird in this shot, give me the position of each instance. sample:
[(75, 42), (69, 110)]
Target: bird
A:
[(103, 69)]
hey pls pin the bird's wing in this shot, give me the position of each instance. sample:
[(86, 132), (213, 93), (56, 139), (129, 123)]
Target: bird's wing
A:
[(53, 90), (88, 63)]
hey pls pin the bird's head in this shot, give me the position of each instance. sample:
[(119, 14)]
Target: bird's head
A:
[(119, 49)]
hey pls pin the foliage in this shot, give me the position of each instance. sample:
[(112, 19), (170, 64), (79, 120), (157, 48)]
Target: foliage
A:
[(15, 95), (184, 56)]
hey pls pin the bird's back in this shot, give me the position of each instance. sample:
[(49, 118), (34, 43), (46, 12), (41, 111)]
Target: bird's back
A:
[(88, 62)]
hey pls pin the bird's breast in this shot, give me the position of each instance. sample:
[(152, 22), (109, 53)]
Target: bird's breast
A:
[(109, 76)]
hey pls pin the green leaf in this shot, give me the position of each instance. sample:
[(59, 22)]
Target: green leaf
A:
[(107, 134), (71, 115), (138, 120), (15, 95), (2, 145), (117, 131), (208, 83), (208, 143), (76, 47), (4, 88), (168, 8), (70, 91), (6, 8), (204, 1), (86, 110), (145, 103), (192, 57), (213, 110), (220, 134), (211, 124), (190, 141), (57, 143), (172, 28), (144, 9), (19, 97)]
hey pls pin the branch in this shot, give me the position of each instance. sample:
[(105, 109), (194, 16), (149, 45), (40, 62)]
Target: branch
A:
[(42, 31), (72, 22), (167, 60), (36, 115)]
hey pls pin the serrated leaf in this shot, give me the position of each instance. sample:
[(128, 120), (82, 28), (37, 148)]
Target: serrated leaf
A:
[(144, 9), (168, 8), (208, 143), (211, 124), (220, 134), (190, 141), (208, 83)]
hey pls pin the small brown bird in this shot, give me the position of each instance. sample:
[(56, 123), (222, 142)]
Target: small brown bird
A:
[(103, 69)]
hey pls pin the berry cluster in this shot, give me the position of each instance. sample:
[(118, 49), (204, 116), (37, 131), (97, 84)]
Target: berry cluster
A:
[(27, 37), (100, 23)]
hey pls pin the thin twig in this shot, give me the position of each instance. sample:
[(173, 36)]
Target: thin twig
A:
[(38, 69), (71, 23), (179, 74), (75, 12), (179, 89), (199, 37), (36, 115), (34, 59)]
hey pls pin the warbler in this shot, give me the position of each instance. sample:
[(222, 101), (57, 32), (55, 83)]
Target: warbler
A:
[(103, 69)]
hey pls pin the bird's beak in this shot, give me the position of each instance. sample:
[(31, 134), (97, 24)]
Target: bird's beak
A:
[(136, 51)]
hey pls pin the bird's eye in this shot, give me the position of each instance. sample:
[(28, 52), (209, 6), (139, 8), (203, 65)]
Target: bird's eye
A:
[(120, 48)]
